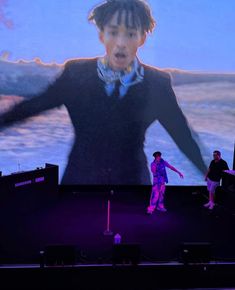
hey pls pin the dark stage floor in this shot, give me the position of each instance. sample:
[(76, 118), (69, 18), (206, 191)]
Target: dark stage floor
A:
[(29, 223)]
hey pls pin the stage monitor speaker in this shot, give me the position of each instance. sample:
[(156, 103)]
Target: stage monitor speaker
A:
[(126, 254), (195, 252), (59, 255)]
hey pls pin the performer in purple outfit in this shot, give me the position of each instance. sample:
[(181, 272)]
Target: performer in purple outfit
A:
[(158, 168)]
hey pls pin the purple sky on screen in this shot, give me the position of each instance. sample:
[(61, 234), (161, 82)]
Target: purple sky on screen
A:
[(4, 20), (191, 35)]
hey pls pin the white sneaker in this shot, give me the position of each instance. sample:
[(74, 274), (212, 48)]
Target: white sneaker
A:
[(163, 209), (207, 204), (211, 206), (150, 209)]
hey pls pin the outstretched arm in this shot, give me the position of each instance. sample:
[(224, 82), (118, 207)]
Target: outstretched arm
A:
[(174, 121), (52, 97), (174, 169)]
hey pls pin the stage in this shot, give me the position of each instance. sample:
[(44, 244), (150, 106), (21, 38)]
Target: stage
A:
[(77, 218)]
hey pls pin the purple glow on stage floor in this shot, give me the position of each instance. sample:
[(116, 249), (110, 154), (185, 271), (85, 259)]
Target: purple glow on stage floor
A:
[(80, 219)]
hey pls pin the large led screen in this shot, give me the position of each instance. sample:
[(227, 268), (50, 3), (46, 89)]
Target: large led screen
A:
[(48, 63)]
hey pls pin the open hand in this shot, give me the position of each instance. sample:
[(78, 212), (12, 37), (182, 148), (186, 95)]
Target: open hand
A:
[(181, 175)]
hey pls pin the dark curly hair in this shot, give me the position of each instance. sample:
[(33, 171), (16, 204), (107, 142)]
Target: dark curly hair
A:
[(138, 14), (157, 153)]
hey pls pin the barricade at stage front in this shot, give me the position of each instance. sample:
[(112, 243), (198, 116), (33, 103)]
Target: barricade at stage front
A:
[(147, 276)]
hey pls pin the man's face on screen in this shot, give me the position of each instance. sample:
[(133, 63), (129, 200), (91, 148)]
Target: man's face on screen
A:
[(121, 42)]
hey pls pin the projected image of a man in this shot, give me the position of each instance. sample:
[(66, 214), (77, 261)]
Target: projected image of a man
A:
[(112, 100)]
